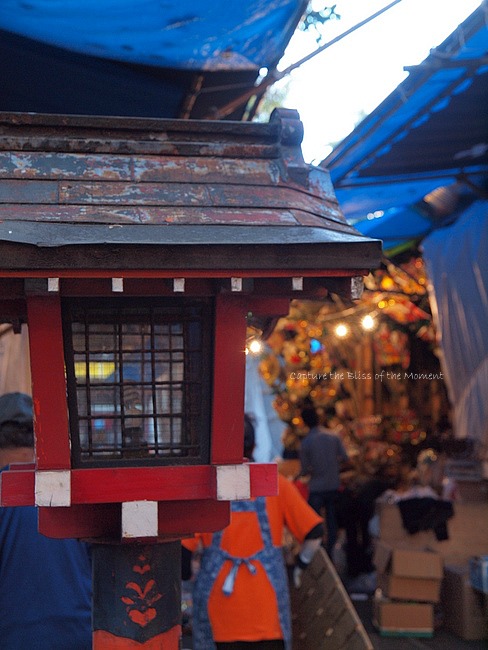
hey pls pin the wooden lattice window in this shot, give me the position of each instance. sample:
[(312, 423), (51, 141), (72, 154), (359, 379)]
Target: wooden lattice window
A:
[(138, 376)]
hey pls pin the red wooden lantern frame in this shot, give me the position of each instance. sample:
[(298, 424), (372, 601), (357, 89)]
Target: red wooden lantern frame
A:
[(187, 496)]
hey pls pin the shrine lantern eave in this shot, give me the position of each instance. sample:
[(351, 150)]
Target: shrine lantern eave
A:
[(137, 251)]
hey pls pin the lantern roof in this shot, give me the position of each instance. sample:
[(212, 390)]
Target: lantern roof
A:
[(126, 193)]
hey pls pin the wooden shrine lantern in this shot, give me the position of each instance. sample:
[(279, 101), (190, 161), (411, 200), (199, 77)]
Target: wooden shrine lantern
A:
[(138, 251)]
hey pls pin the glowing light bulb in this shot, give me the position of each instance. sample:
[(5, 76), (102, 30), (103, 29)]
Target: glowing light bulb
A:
[(341, 330), (367, 323), (255, 346)]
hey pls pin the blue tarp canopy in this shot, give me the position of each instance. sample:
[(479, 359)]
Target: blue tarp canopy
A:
[(430, 133), (138, 57), (209, 35)]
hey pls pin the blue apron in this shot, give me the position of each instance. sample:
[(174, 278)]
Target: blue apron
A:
[(213, 558)]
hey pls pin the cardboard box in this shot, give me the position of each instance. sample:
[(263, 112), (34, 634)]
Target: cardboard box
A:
[(463, 607), (408, 574), (402, 588), (478, 573), (403, 619), (391, 529)]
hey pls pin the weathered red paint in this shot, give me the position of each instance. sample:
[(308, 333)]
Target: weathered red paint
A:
[(227, 439), (102, 521), (118, 484), (48, 382), (129, 172)]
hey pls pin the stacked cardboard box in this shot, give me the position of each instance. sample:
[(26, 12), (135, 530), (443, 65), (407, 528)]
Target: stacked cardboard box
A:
[(409, 577), (402, 618), (409, 574), (392, 531), (464, 604)]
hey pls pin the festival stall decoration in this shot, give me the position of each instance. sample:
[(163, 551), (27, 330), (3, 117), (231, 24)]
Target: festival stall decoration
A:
[(353, 361)]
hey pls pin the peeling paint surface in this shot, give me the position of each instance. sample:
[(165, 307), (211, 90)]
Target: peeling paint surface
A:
[(69, 181)]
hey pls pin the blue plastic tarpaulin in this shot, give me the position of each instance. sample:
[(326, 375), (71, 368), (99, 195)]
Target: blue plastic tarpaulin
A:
[(189, 34), (139, 58), (429, 133)]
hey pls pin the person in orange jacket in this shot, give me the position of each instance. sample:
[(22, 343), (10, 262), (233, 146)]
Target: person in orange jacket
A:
[(241, 593)]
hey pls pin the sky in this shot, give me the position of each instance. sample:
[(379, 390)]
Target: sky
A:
[(335, 89)]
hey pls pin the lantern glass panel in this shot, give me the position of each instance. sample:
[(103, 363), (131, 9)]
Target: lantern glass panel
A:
[(138, 381)]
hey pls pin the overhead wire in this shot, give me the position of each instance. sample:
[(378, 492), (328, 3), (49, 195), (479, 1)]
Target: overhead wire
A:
[(275, 75)]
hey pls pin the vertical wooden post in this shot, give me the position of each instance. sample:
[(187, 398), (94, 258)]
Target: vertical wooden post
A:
[(229, 380), (48, 382), (137, 596)]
